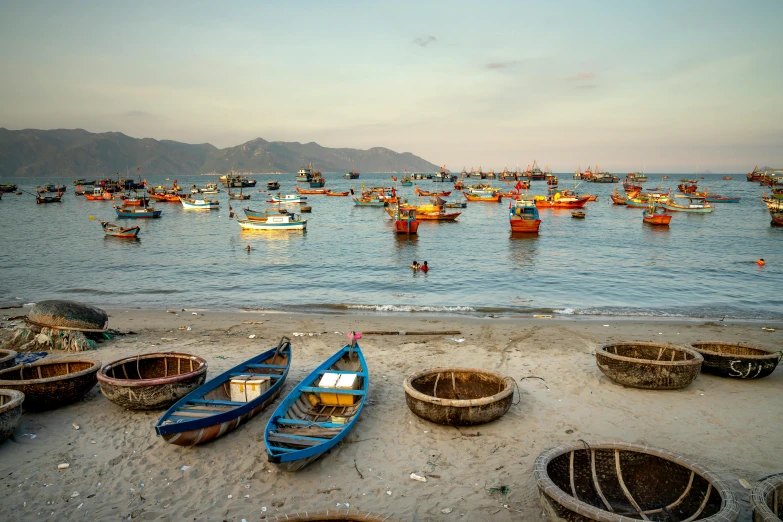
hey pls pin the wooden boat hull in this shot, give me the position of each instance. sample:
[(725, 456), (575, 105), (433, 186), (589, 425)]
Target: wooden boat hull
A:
[(593, 481), (208, 205), (316, 191), (287, 200), (777, 218), (458, 396), (578, 215), (483, 198), (437, 216), (291, 452), (122, 232), (679, 208), (338, 194), (403, 226), (260, 224), (579, 203), (651, 366), (656, 219), (10, 412), (151, 381), (48, 199), (7, 358), (49, 385), (138, 214), (197, 428), (736, 360), (94, 197), (370, 203), (525, 226)]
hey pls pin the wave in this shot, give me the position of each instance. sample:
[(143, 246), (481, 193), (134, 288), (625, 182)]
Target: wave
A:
[(410, 308)]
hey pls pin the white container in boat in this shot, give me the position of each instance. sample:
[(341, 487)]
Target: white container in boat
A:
[(245, 389), (348, 381), (329, 380)]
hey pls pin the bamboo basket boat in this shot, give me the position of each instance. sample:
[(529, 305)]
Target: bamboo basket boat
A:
[(737, 360), (49, 385), (652, 366), (7, 358), (68, 315), (621, 482), (10, 412), (342, 515), (458, 396), (153, 380), (766, 499)]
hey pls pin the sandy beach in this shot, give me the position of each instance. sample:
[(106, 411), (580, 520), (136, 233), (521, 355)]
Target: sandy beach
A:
[(120, 470)]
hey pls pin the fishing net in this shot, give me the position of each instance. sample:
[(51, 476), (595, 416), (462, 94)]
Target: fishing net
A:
[(34, 338)]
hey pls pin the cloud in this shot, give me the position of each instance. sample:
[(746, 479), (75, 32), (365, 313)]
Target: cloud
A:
[(586, 86), (500, 65), (424, 41), (581, 77), (140, 115)]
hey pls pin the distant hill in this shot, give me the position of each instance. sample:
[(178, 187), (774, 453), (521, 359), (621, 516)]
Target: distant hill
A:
[(80, 154)]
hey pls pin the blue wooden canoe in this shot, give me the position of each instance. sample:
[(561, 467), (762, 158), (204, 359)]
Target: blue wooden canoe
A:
[(298, 431), (208, 412)]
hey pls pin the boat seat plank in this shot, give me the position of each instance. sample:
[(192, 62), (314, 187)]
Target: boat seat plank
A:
[(270, 375), (195, 414), (269, 366), (278, 449), (299, 422), (215, 402), (295, 440), (313, 389), (342, 372)]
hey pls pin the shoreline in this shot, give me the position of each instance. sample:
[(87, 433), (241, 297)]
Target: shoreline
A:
[(119, 468)]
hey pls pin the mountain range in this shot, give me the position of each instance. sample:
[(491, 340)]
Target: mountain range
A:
[(80, 154)]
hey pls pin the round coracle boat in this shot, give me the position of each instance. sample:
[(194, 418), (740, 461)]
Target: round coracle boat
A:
[(68, 315), (620, 482), (458, 396), (153, 380), (49, 385), (7, 358), (331, 515), (767, 499), (652, 366), (737, 360), (10, 411)]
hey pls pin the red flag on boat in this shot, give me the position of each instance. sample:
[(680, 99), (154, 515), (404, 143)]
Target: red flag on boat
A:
[(519, 185)]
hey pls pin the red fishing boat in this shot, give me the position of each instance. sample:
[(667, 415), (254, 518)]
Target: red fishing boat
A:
[(559, 201), (777, 217), (755, 175), (405, 221), (656, 216), (617, 198), (687, 188)]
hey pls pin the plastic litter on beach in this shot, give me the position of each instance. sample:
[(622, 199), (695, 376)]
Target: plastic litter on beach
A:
[(184, 468), (64, 465), (418, 477), (745, 484), (539, 316), (456, 340)]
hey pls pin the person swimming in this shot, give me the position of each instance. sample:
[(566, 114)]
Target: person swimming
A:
[(760, 262), (415, 266), (425, 268)]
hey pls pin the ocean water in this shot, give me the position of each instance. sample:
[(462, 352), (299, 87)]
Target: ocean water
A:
[(349, 257)]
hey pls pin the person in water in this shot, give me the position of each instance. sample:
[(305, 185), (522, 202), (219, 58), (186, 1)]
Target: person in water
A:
[(760, 262), (425, 268), (415, 266)]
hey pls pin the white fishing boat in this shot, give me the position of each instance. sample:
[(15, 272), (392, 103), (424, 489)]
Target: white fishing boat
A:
[(288, 221), (201, 204), (288, 198)]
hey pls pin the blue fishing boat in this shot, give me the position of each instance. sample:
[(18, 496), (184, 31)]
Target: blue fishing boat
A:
[(369, 202), (214, 409), (313, 418), (126, 211)]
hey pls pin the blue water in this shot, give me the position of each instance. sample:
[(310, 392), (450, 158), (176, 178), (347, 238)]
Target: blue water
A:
[(609, 263)]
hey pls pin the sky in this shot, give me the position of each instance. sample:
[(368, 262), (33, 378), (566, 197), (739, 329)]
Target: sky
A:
[(664, 86)]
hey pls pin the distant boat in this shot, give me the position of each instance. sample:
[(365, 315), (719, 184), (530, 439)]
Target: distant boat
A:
[(288, 198), (272, 185), (119, 231), (695, 204), (283, 221), (305, 174), (351, 175), (200, 204), (137, 212)]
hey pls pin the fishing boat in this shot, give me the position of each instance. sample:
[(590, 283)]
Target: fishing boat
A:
[(272, 185), (456, 204), (110, 229), (695, 204), (288, 198), (727, 178), (97, 195), (560, 201), (420, 192), (351, 175), (405, 221), (578, 214), (42, 198), (444, 176), (240, 196), (209, 188), (281, 221), (755, 175), (523, 215), (687, 188), (406, 181), (305, 173), (483, 198), (232, 398), (317, 414), (369, 202), (337, 194), (8, 187), (637, 177), (717, 198), (655, 215), (200, 204), (317, 180), (777, 217), (137, 212), (311, 191)]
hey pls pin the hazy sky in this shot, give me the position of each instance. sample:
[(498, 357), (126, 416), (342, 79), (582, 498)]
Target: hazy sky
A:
[(665, 86)]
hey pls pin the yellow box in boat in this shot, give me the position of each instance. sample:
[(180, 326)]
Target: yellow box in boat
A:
[(341, 382), (329, 380), (245, 389)]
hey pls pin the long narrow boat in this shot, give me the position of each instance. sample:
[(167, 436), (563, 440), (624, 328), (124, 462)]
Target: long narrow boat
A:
[(305, 425), (200, 204), (696, 204), (287, 221), (288, 198), (338, 194), (48, 199), (483, 198), (561, 202), (208, 412), (137, 212), (119, 231), (369, 202), (314, 191)]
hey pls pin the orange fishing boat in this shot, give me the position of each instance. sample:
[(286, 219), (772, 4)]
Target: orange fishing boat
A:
[(420, 192), (340, 194), (483, 198), (523, 216), (312, 191), (405, 221), (656, 216)]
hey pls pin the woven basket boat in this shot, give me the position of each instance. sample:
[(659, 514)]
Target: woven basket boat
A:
[(737, 360), (345, 515), (767, 499), (7, 358), (10, 412), (68, 315), (651, 366), (153, 380), (458, 396), (49, 385), (620, 482)]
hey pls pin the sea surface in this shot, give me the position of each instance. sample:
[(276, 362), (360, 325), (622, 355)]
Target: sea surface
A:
[(349, 257)]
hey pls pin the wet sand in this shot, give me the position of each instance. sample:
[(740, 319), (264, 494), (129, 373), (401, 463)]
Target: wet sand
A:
[(120, 468)]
